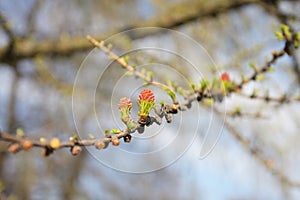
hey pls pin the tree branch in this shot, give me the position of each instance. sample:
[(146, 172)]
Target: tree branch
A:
[(125, 64), (28, 48), (6, 26), (259, 155), (8, 51), (198, 93)]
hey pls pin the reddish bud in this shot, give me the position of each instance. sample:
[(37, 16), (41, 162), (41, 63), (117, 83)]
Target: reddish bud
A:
[(125, 103), (115, 141), (146, 102), (27, 144), (14, 148), (225, 77), (125, 106), (146, 95)]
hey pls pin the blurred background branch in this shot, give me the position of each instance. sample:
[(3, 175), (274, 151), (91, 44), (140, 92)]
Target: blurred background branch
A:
[(177, 15)]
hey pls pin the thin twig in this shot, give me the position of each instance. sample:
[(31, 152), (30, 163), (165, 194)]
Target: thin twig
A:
[(281, 99), (259, 155), (126, 65), (6, 26)]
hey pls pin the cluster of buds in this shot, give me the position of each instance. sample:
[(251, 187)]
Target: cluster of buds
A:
[(146, 102), (228, 85), (26, 144)]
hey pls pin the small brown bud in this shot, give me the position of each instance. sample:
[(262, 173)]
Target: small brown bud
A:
[(55, 143), (270, 164), (143, 119), (14, 148), (237, 90), (75, 150), (107, 134), (127, 138), (46, 151), (182, 108), (140, 129), (27, 144), (115, 141), (168, 118), (43, 140), (173, 109), (101, 144), (158, 120)]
